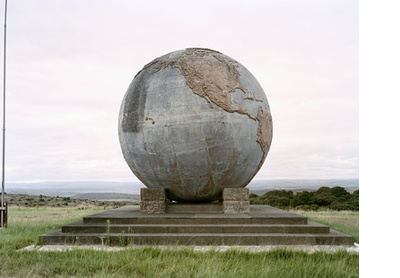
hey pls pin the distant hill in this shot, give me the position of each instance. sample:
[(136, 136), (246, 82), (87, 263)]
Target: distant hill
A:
[(24, 200), (69, 188), (115, 190), (107, 196), (260, 187)]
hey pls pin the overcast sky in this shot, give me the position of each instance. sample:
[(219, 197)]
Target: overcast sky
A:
[(69, 64)]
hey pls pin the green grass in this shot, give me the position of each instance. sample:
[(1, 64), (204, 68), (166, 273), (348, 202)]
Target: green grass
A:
[(343, 221), (154, 262), (26, 225)]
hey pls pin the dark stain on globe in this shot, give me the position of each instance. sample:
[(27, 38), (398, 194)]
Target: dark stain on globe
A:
[(195, 121)]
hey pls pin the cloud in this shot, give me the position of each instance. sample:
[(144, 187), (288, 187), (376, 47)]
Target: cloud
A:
[(70, 63)]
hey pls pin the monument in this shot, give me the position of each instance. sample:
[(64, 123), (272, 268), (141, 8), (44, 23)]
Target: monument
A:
[(195, 122), (195, 127)]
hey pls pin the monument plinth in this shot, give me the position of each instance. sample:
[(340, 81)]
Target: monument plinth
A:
[(234, 201)]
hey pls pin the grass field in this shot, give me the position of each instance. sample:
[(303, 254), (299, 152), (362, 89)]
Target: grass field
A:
[(26, 224), (343, 221)]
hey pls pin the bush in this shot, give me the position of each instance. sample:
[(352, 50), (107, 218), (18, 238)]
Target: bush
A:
[(275, 198), (304, 198), (339, 206), (323, 197), (340, 194), (253, 196), (277, 201), (336, 198)]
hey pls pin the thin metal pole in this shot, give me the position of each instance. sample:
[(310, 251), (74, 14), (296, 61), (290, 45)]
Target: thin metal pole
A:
[(4, 117)]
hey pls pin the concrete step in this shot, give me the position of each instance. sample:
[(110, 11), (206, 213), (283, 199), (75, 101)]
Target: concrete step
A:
[(215, 207), (259, 215), (311, 227), (332, 238), (264, 225), (197, 220)]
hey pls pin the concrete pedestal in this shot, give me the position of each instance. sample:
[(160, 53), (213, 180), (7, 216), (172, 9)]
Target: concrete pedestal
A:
[(264, 225), (234, 201), (153, 200), (231, 222)]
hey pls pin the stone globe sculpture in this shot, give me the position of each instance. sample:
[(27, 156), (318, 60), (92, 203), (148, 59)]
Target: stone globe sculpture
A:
[(195, 121)]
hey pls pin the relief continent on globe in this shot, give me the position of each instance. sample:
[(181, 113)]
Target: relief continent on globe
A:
[(195, 121)]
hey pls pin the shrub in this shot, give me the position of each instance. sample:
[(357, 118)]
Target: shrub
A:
[(336, 198), (342, 206), (275, 198), (340, 194), (303, 198), (253, 196), (323, 197)]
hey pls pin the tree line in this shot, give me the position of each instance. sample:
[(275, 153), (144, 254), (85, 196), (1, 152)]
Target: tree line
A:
[(335, 198)]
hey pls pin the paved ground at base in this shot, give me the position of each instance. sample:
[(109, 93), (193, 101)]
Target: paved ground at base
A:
[(306, 248)]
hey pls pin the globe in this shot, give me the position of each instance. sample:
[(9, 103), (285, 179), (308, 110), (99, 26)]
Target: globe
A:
[(195, 121)]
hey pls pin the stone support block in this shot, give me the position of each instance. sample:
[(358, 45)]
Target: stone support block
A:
[(153, 200), (232, 207), (236, 200), (235, 194)]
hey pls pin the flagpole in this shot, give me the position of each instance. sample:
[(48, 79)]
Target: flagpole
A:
[(4, 118)]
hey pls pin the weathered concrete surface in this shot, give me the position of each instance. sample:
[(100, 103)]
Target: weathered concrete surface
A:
[(236, 200), (233, 207), (264, 225), (153, 200), (235, 194), (214, 207), (195, 121)]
